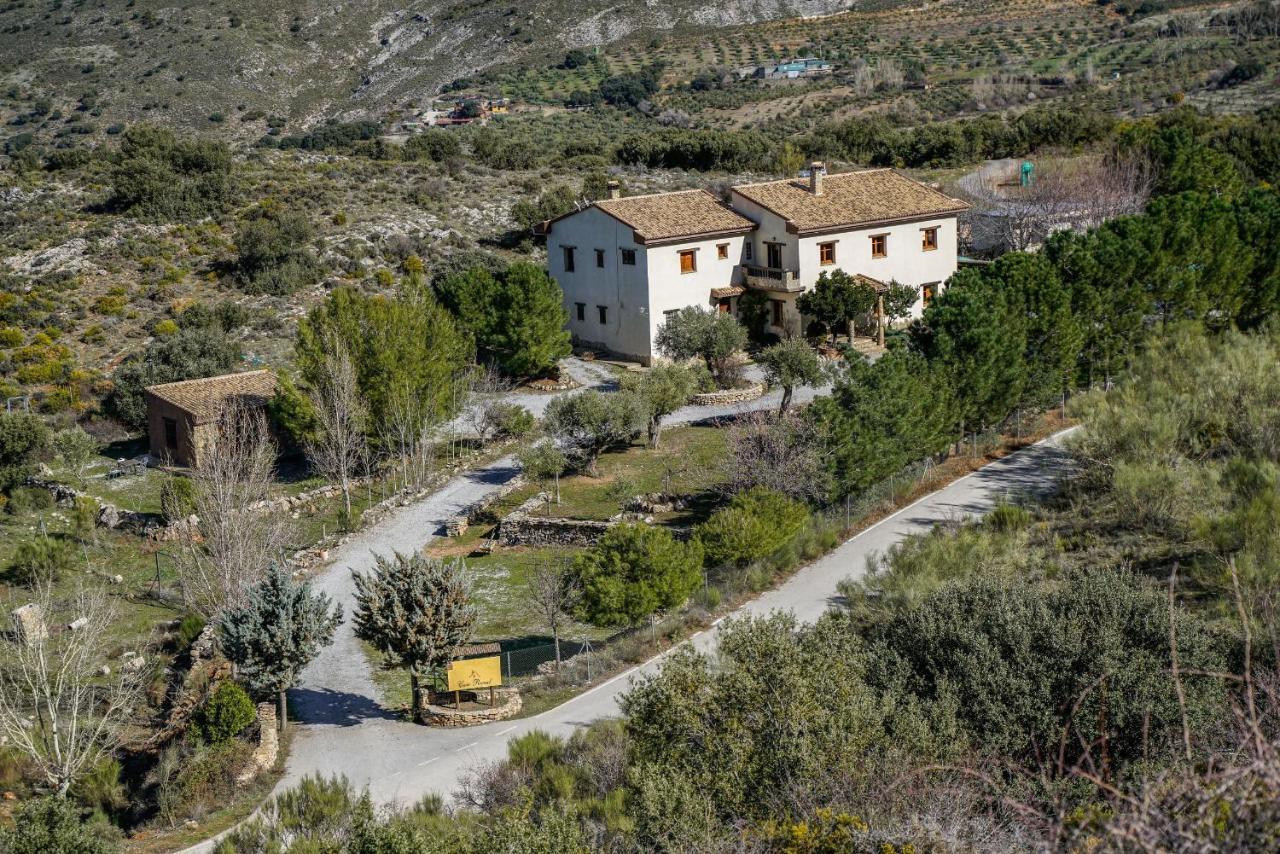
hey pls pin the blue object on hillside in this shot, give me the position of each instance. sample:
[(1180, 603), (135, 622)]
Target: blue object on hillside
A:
[(1028, 173)]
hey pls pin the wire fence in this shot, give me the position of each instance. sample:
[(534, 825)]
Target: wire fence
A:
[(540, 659)]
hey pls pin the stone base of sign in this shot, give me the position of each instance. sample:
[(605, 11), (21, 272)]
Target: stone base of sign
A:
[(438, 710)]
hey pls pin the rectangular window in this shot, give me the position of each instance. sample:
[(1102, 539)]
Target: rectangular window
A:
[(776, 305), (568, 258), (746, 251), (722, 251), (171, 434), (604, 314), (725, 305), (688, 260), (629, 257), (600, 258), (926, 294), (582, 310), (827, 254), (879, 245), (930, 240)]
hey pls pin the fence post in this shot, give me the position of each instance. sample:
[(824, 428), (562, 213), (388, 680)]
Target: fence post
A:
[(510, 675)]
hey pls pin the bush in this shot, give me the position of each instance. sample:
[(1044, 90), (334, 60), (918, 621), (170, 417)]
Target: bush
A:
[(53, 824), (274, 254), (755, 524), (633, 571), (177, 498), (163, 179), (1027, 661), (22, 438), (189, 628), (713, 336), (508, 420), (226, 714), (42, 560), (29, 499)]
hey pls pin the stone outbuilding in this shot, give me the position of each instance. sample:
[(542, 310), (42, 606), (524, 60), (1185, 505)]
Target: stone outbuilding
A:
[(182, 416)]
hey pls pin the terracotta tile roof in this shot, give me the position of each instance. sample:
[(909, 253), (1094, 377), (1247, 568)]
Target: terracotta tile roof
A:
[(204, 398), (848, 199), (669, 216), (731, 291), (875, 284)]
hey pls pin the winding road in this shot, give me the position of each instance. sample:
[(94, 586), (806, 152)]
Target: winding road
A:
[(343, 730)]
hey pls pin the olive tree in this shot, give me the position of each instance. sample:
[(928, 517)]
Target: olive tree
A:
[(663, 390), (715, 337), (590, 423), (789, 364)]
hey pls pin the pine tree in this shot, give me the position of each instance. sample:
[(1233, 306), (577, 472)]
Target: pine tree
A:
[(415, 611), (277, 633)]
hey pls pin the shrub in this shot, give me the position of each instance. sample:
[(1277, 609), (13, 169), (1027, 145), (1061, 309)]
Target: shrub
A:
[(755, 524), (508, 420), (191, 354), (274, 255), (189, 628), (53, 824), (161, 178), (635, 570), (22, 438), (226, 713), (42, 560), (29, 499), (177, 498), (715, 337)]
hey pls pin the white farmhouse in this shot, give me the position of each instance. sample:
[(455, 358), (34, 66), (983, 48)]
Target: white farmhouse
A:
[(626, 263)]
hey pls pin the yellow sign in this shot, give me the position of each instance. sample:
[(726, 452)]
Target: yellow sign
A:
[(475, 673)]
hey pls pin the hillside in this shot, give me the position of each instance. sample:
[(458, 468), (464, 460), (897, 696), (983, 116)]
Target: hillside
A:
[(184, 62)]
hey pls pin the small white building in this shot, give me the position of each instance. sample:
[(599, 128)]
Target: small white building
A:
[(626, 263)]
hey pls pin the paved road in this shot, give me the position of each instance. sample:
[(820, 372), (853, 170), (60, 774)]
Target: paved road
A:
[(346, 732)]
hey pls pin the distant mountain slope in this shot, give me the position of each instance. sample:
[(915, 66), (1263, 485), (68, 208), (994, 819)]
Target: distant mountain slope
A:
[(202, 62)]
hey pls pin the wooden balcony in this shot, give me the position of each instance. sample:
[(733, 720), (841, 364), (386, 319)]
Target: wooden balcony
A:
[(772, 279)]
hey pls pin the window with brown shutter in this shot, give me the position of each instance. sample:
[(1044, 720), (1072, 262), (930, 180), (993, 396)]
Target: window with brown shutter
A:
[(688, 261), (930, 239), (879, 245), (827, 254), (722, 251)]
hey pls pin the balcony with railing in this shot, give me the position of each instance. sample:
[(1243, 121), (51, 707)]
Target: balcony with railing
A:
[(771, 279)]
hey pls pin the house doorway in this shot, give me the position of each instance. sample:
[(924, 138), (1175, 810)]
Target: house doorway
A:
[(773, 255)]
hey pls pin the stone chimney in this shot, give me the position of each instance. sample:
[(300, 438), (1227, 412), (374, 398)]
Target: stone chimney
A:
[(817, 171), (615, 189)]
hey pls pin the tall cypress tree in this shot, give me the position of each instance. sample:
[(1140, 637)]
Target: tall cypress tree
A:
[(278, 632)]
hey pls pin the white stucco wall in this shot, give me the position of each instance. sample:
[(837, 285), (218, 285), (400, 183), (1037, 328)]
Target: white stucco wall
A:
[(670, 290), (623, 290), (634, 297), (906, 261)]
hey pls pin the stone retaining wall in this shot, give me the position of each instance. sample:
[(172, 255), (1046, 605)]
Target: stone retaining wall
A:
[(728, 396), (509, 705)]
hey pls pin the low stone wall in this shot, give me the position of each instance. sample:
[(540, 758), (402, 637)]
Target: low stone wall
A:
[(728, 396), (521, 529), (507, 705)]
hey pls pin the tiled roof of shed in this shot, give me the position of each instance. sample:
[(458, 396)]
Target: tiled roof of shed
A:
[(669, 216), (205, 398), (850, 198)]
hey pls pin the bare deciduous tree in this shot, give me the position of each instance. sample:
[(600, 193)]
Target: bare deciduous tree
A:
[(556, 591), (783, 453), (339, 444), (55, 705), (1076, 196), (237, 535)]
